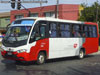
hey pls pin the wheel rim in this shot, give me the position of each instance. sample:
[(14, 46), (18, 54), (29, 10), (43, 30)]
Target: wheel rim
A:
[(41, 59), (81, 54)]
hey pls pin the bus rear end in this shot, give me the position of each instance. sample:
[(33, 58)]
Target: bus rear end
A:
[(92, 40)]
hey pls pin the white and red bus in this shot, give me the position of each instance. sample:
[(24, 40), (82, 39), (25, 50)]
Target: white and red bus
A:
[(38, 39)]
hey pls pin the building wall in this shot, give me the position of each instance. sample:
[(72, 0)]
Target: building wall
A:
[(4, 21), (70, 12), (66, 11)]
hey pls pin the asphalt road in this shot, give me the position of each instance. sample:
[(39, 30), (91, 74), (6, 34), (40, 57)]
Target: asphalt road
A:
[(90, 65)]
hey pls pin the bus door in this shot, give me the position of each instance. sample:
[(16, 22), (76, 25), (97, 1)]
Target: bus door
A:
[(39, 38)]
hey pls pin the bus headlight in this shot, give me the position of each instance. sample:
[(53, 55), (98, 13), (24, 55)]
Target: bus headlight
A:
[(22, 50), (2, 48)]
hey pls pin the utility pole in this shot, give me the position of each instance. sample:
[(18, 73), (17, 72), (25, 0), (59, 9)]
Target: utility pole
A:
[(40, 3), (57, 9), (97, 12), (86, 3)]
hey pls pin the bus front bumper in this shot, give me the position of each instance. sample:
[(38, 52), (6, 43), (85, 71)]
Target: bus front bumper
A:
[(15, 55)]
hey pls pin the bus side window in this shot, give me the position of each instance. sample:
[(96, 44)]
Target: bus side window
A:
[(42, 31), (86, 31), (65, 30), (94, 31), (53, 30), (83, 34), (76, 31), (90, 31)]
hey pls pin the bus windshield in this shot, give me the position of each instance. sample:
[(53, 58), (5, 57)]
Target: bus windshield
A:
[(17, 34)]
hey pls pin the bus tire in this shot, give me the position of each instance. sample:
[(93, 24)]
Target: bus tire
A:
[(81, 54), (41, 58)]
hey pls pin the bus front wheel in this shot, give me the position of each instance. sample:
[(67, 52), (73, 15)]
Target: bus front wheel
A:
[(41, 58)]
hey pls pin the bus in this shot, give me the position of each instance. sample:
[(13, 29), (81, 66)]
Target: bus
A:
[(39, 39)]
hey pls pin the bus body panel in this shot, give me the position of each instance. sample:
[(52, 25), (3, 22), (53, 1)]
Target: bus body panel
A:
[(34, 49), (41, 45), (64, 47), (91, 45)]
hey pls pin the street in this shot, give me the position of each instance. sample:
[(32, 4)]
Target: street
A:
[(90, 65)]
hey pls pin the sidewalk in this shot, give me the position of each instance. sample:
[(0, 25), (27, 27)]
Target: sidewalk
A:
[(97, 53)]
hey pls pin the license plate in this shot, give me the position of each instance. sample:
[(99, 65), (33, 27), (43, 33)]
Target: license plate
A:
[(9, 53)]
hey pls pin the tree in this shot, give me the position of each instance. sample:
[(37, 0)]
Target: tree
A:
[(91, 13)]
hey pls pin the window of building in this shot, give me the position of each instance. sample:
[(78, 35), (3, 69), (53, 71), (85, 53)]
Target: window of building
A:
[(34, 15), (19, 16), (50, 14), (7, 20)]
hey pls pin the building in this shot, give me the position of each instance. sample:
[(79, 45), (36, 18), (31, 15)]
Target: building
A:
[(66, 11), (4, 21)]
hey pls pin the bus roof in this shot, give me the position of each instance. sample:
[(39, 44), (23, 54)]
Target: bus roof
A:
[(60, 20)]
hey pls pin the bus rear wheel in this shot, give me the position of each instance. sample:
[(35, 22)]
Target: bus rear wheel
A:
[(81, 54), (41, 58)]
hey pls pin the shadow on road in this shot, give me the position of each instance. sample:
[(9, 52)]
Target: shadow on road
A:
[(6, 61), (30, 68), (25, 68), (68, 59)]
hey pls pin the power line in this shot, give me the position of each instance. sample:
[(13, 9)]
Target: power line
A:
[(25, 1)]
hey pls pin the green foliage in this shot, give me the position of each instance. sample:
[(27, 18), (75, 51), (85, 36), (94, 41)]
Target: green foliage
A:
[(89, 13)]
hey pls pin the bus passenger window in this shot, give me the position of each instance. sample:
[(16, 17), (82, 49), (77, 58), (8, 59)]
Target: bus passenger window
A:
[(86, 31), (76, 31), (65, 30), (94, 31), (42, 31), (53, 30), (90, 31)]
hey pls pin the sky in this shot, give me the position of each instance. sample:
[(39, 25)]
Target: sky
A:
[(7, 6)]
